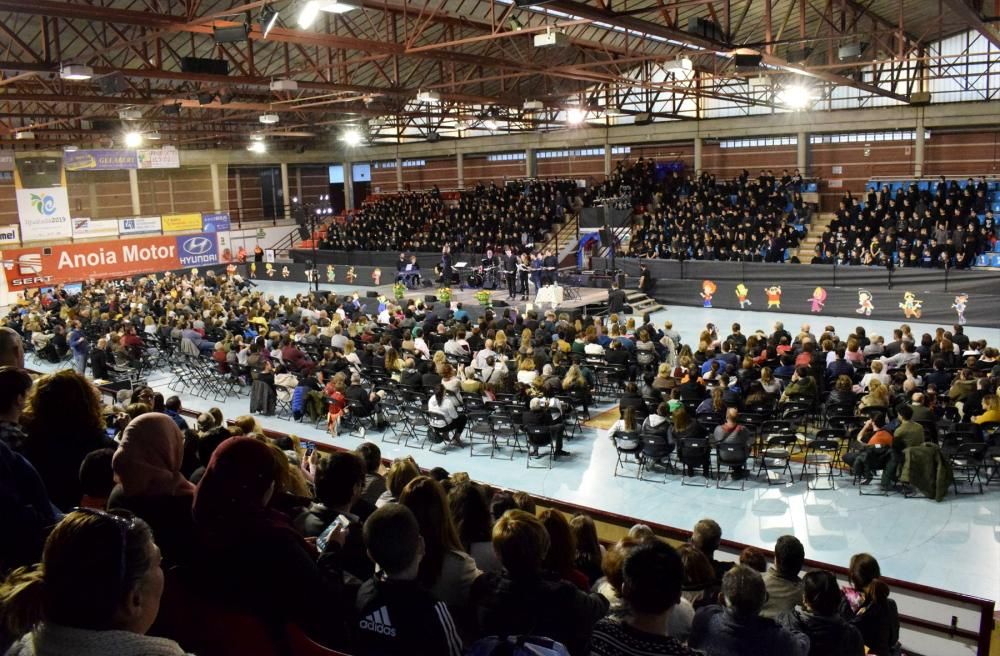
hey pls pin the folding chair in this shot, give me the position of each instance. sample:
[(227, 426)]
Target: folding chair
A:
[(438, 436), (775, 454), (478, 425), (655, 452), (968, 462), (627, 444), (734, 457), (537, 437), (694, 453), (504, 429), (417, 426), (820, 453)]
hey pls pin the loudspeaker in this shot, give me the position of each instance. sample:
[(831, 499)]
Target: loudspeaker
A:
[(204, 65), (747, 61), (371, 294), (303, 233), (233, 34), (112, 84), (920, 98), (433, 137), (643, 118), (430, 298)]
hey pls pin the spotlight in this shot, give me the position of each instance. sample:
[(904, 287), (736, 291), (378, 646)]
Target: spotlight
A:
[(428, 97), (308, 14), (172, 110), (257, 147), (575, 115), (268, 17), (795, 96), (76, 72), (268, 119), (256, 136), (226, 97), (351, 137), (133, 139), (312, 8)]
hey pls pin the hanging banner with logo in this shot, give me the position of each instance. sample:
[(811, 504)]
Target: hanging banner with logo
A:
[(215, 221), (181, 222), (100, 160), (10, 235), (44, 214), (197, 250), (139, 225), (6, 161), (40, 267), (87, 228), (163, 158)]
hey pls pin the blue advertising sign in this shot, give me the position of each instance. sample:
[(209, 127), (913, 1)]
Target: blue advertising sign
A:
[(197, 250), (215, 222)]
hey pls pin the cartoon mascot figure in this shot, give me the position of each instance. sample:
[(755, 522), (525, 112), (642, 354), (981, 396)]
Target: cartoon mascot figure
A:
[(773, 296)]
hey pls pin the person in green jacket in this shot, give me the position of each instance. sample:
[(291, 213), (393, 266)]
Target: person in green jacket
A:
[(908, 433)]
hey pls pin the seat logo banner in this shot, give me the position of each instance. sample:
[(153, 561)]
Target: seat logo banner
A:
[(139, 225), (44, 214), (197, 250), (38, 267)]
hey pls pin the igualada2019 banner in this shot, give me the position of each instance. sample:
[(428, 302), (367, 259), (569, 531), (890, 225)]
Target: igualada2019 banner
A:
[(39, 267)]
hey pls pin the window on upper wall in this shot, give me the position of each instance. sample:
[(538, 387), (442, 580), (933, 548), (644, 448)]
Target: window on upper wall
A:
[(414, 163), (505, 157), (867, 137), (759, 142)]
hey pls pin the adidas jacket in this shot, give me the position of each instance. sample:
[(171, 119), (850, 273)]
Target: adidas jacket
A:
[(399, 618)]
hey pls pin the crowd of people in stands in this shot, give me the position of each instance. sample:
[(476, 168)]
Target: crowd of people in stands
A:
[(701, 218), (518, 214), (938, 227), (413, 563)]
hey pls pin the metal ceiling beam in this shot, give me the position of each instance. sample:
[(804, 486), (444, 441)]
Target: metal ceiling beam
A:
[(630, 22), (971, 17)]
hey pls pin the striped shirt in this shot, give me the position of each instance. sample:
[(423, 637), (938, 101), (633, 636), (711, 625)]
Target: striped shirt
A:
[(615, 638)]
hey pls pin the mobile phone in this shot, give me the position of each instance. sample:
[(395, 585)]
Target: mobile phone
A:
[(309, 447), (324, 537)]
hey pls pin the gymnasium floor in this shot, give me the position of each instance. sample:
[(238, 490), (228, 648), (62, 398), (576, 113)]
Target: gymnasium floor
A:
[(953, 545)]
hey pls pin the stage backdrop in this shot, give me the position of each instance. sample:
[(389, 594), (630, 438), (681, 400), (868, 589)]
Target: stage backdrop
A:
[(929, 295)]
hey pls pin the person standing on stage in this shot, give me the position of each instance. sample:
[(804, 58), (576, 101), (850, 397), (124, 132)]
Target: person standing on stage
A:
[(549, 264), (509, 264), (536, 270), (491, 263), (523, 268), (646, 282), (446, 265)]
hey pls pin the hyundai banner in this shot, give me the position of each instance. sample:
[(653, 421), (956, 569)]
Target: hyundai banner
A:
[(197, 250), (139, 225), (100, 160), (44, 214), (215, 222)]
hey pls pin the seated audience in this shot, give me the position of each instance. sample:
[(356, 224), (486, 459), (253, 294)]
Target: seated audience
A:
[(784, 588), (820, 620)]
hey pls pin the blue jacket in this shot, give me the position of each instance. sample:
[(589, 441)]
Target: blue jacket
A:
[(24, 504)]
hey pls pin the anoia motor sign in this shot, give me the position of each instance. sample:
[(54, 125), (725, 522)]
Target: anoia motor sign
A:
[(37, 267)]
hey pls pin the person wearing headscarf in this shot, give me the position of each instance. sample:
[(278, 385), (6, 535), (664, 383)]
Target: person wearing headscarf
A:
[(250, 558), (147, 466)]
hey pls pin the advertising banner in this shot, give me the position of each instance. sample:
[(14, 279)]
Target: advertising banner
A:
[(100, 160), (40, 267), (44, 214), (85, 228), (181, 222), (10, 235), (215, 221), (197, 250), (163, 158), (6, 161), (139, 225)]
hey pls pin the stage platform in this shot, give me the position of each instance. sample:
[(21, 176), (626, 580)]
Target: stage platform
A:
[(575, 300)]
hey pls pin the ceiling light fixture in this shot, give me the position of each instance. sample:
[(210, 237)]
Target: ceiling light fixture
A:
[(130, 114), (796, 96), (269, 119), (575, 115), (490, 125), (351, 137), (681, 65), (133, 139), (309, 12), (267, 18), (256, 136), (257, 147), (24, 135), (153, 136), (70, 149), (76, 72), (533, 105), (428, 97)]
